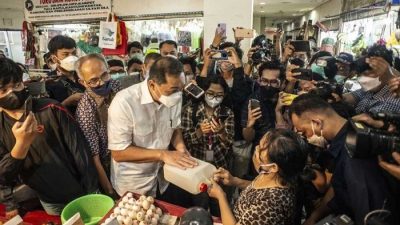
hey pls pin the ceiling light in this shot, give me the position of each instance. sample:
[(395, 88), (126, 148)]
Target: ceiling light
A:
[(285, 21), (262, 3), (262, 11)]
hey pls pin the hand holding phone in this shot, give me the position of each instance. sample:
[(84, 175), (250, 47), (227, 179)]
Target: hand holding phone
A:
[(221, 29), (244, 33), (254, 112)]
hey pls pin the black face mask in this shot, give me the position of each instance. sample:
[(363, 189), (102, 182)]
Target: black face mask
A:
[(14, 100), (269, 93)]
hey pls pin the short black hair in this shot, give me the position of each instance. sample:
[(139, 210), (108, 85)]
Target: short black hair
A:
[(289, 151), (10, 72), (309, 103), (135, 44), (133, 61), (162, 67), (215, 79), (380, 51), (186, 60), (271, 65), (168, 42), (115, 62), (151, 56), (59, 42), (231, 44)]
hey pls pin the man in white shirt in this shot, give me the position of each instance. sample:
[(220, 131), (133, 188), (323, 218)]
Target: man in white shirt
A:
[(143, 120)]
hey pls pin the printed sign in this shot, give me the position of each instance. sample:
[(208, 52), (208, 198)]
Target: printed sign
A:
[(60, 10)]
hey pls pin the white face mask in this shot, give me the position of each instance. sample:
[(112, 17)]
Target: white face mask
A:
[(137, 56), (369, 83), (171, 100), (213, 102), (68, 63), (53, 66), (117, 75), (316, 140)]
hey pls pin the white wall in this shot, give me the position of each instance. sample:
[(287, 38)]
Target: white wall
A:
[(257, 24), (238, 14), (140, 7), (11, 18)]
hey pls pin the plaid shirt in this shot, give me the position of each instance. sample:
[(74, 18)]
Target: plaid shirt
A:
[(198, 146), (380, 101)]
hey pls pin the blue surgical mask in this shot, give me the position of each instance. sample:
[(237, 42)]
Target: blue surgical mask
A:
[(117, 75), (340, 79), (318, 69), (103, 90), (137, 56)]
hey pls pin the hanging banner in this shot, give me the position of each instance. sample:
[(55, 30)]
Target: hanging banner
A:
[(62, 10)]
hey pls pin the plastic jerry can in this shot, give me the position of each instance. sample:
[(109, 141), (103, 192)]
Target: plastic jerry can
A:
[(194, 180)]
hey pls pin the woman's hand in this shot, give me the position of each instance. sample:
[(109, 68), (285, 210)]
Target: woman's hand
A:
[(217, 127), (224, 176), (215, 191)]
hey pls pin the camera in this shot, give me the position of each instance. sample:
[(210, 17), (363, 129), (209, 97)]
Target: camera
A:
[(365, 142), (265, 52), (374, 51), (325, 89)]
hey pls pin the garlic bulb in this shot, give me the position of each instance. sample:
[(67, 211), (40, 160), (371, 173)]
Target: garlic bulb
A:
[(150, 199), (140, 216)]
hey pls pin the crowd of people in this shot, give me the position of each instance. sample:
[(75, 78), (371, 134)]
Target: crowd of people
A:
[(277, 127)]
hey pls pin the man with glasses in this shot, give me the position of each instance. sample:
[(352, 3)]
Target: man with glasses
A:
[(92, 112), (41, 143), (258, 121)]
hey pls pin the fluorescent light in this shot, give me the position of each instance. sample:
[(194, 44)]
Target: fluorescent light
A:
[(262, 11), (262, 3)]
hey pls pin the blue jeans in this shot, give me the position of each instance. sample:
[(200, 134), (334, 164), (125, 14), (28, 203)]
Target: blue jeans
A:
[(52, 209)]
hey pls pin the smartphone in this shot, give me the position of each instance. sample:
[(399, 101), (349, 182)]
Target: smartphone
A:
[(306, 74), (194, 90), (289, 98), (254, 104), (301, 46), (221, 28), (223, 114), (27, 107), (220, 55), (244, 33)]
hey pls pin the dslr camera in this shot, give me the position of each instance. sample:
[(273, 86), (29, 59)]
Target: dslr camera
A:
[(325, 89), (374, 51), (365, 142)]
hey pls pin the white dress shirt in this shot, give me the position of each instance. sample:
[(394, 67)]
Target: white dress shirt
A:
[(134, 118)]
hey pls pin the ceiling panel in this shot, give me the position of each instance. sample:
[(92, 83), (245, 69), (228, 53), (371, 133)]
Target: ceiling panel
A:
[(284, 9)]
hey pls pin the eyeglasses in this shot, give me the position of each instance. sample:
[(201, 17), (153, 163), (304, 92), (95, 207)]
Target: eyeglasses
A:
[(212, 96), (94, 82), (4, 91), (272, 83)]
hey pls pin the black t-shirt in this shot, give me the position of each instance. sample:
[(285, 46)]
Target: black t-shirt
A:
[(58, 165), (62, 88), (359, 184)]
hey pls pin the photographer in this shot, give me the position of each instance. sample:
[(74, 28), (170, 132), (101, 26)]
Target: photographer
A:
[(344, 63), (257, 121), (375, 72), (358, 185)]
